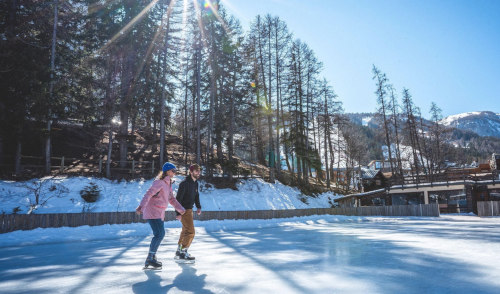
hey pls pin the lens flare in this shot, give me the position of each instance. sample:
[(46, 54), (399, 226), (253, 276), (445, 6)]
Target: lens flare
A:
[(210, 7)]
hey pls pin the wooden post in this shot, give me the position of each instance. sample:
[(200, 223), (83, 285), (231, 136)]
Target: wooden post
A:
[(152, 166), (100, 164), (133, 166)]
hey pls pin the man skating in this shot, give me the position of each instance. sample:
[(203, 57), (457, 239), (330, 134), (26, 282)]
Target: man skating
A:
[(188, 196)]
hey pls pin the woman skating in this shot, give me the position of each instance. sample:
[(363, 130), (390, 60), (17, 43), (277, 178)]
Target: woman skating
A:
[(153, 206)]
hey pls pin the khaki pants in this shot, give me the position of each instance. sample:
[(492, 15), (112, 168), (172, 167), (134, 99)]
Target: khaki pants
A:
[(187, 233)]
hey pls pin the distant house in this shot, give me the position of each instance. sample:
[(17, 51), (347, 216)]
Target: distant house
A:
[(372, 179), (383, 165), (379, 165), (459, 191), (476, 173), (338, 175)]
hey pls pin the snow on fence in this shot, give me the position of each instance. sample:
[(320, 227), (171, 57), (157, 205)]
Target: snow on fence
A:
[(13, 222), (488, 208)]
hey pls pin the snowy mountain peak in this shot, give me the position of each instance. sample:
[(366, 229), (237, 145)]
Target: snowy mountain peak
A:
[(483, 123)]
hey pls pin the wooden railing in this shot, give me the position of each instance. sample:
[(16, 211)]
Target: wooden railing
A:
[(13, 222), (488, 208), (132, 168), (98, 165), (445, 177)]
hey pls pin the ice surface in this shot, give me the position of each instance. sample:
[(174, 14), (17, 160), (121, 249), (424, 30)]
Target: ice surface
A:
[(318, 254)]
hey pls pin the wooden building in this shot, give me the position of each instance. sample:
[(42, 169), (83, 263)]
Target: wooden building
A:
[(452, 196), (372, 179)]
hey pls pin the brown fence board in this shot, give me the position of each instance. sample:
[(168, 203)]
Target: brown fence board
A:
[(488, 208), (13, 222)]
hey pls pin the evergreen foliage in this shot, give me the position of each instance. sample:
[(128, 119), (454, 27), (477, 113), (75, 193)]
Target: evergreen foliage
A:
[(91, 192)]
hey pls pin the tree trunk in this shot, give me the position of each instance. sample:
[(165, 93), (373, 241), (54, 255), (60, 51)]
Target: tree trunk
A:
[(230, 144), (396, 132), (110, 148), (185, 132), (267, 93), (17, 160), (48, 150), (327, 170), (126, 93), (163, 94), (327, 139), (122, 140), (1, 151), (278, 99), (381, 93), (162, 127), (209, 148), (198, 106)]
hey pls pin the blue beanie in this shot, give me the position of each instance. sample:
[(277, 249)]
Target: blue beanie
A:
[(168, 166)]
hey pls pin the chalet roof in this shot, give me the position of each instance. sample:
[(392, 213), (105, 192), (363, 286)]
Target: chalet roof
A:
[(360, 195), (368, 174), (483, 167), (385, 161)]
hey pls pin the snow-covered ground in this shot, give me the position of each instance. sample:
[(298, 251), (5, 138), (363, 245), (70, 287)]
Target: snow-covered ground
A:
[(318, 254), (63, 195)]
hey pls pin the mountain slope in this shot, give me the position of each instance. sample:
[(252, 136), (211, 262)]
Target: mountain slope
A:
[(483, 123), (474, 135)]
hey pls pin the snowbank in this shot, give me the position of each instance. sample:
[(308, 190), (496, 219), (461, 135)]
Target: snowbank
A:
[(62, 195)]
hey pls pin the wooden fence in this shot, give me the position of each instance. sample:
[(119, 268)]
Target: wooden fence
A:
[(132, 169), (97, 165), (488, 208), (13, 222)]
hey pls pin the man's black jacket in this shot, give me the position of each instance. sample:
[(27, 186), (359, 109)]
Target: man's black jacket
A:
[(188, 195)]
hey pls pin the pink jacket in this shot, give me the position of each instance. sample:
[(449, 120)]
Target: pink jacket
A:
[(156, 200)]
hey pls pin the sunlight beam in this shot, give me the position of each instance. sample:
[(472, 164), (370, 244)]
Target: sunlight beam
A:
[(159, 30), (200, 22), (127, 27)]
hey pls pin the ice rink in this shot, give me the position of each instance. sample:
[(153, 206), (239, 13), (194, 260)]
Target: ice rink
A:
[(319, 254)]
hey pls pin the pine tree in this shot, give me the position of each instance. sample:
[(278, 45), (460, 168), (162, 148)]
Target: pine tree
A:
[(384, 109)]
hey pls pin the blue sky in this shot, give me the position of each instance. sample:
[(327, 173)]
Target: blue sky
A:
[(445, 51)]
